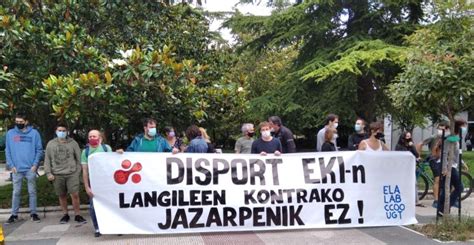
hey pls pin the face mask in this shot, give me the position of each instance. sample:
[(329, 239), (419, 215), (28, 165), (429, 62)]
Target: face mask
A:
[(379, 135), (447, 132), (152, 132), (20, 125), (358, 127), (440, 132), (266, 133), (94, 142), (61, 135), (463, 131), (336, 124), (250, 134), (171, 134)]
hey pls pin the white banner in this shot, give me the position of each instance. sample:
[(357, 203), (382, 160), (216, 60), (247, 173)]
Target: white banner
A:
[(147, 193)]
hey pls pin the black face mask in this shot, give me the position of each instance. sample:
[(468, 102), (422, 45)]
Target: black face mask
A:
[(379, 135), (250, 134), (20, 125)]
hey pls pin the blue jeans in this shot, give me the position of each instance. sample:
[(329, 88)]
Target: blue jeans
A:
[(92, 214), (458, 187), (17, 182)]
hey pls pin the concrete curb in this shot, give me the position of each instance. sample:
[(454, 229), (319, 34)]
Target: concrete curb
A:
[(42, 209)]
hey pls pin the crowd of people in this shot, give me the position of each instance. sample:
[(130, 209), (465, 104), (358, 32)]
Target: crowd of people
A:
[(65, 163)]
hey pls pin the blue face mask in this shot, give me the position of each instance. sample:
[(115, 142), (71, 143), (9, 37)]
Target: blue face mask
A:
[(463, 131), (152, 132), (358, 127), (61, 135)]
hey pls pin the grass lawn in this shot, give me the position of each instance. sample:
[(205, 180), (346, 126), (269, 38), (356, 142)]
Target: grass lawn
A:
[(45, 193), (449, 229)]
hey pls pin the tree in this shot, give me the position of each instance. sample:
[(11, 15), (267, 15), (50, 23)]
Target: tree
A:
[(348, 53), (108, 64), (437, 78)]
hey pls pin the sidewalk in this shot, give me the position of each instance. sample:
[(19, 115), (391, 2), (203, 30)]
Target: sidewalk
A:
[(49, 231)]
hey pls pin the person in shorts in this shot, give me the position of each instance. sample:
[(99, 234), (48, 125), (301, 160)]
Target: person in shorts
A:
[(62, 165)]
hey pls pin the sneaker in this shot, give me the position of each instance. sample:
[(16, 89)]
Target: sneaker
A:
[(12, 219), (35, 218), (97, 233), (440, 214), (79, 219), (435, 204), (64, 219)]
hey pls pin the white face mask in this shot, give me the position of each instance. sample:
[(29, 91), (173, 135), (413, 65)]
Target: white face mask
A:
[(266, 133), (440, 132), (335, 125)]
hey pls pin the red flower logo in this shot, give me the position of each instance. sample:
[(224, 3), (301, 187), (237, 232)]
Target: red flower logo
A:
[(121, 176)]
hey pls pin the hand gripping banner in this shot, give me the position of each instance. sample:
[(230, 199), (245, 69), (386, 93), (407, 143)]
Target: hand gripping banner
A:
[(152, 193)]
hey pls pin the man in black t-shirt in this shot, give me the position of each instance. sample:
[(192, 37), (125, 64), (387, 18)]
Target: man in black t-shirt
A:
[(266, 143), (283, 134)]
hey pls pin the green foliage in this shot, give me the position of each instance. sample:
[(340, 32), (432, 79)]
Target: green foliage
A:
[(437, 79), (348, 52), (108, 64), (450, 229)]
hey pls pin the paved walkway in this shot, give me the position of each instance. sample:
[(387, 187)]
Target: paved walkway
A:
[(49, 231)]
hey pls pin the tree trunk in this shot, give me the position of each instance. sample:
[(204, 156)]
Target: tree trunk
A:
[(450, 160)]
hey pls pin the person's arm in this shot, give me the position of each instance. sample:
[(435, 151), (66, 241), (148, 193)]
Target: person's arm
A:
[(77, 156), (85, 178), (384, 146), (8, 152), (85, 174), (362, 145), (238, 147), (132, 145), (38, 151), (279, 148), (47, 163), (320, 140), (290, 141), (166, 147)]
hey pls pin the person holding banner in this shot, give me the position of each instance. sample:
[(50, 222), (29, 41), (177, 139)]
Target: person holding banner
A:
[(329, 137), (373, 143), (150, 140), (358, 136), (266, 143), (332, 121), (205, 136), (405, 143), (196, 142), (244, 144), (95, 145), (173, 139), (283, 134)]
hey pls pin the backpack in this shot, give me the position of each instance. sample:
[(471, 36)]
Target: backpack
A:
[(104, 147)]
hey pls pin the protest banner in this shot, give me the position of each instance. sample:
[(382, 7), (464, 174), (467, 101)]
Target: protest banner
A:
[(152, 193)]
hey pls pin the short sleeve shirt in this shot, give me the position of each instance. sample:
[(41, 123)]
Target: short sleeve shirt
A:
[(244, 145)]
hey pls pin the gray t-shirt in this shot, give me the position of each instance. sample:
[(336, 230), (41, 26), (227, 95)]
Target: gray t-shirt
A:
[(320, 139), (243, 145)]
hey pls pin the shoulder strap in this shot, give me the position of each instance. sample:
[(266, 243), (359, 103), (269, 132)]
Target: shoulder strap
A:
[(104, 147), (87, 151)]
